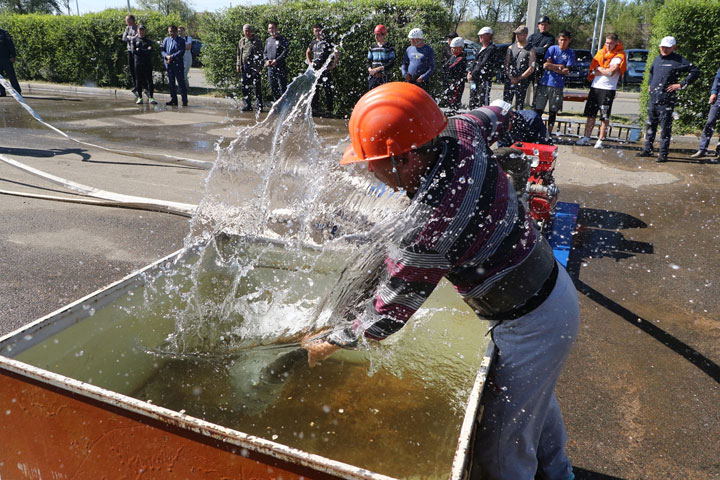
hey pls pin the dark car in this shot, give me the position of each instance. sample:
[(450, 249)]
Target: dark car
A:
[(195, 52), (636, 60), (579, 71), (471, 49)]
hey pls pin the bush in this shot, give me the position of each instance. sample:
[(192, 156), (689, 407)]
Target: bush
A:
[(82, 50), (687, 21), (348, 24)]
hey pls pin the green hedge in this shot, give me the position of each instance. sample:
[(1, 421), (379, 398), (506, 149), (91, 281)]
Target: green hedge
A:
[(348, 24), (83, 50), (688, 21)]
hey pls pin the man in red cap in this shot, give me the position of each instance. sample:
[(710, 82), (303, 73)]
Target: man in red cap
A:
[(381, 58), (469, 228)]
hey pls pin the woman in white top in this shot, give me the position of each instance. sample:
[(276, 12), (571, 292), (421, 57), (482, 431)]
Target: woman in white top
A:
[(187, 58)]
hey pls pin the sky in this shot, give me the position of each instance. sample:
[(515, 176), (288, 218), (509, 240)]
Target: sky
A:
[(86, 6)]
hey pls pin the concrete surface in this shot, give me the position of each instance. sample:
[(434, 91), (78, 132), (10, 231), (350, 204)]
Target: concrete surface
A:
[(641, 391)]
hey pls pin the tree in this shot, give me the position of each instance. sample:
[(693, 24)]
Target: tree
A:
[(166, 7), (31, 6)]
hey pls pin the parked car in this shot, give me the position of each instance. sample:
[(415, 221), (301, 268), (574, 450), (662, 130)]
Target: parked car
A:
[(636, 60), (471, 49), (579, 71), (195, 51)]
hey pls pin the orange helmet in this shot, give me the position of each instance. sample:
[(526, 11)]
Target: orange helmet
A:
[(390, 120)]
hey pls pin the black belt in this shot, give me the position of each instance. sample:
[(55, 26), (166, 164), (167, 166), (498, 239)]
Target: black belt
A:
[(533, 302)]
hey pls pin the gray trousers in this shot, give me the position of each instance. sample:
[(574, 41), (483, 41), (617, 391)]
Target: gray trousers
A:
[(522, 430), (710, 125)]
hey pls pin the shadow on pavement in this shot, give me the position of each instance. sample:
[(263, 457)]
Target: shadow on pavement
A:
[(38, 153), (595, 240), (582, 474)]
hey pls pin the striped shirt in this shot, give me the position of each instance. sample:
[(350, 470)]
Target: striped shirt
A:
[(474, 231)]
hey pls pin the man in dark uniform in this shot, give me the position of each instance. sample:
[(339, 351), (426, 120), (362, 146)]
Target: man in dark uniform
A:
[(249, 65), (7, 59), (483, 69), (317, 55), (663, 83), (276, 51), (143, 49), (540, 41)]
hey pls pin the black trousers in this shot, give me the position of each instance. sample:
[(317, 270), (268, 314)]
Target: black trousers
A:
[(278, 81), (517, 91), (452, 94), (481, 95), (251, 81), (659, 114), (325, 83), (144, 79), (7, 70)]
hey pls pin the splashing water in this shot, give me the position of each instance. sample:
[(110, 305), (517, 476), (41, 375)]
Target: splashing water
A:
[(287, 240)]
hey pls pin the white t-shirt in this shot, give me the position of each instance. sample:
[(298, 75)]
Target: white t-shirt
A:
[(603, 82)]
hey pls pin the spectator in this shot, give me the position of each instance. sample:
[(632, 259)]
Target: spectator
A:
[(557, 60), (664, 81), (527, 126), (131, 31), (173, 50), (381, 58), (249, 65), (483, 69), (605, 70), (519, 68), (187, 56), (454, 75), (7, 59), (711, 121), (419, 60), (142, 51), (540, 41), (446, 52), (275, 53), (318, 54)]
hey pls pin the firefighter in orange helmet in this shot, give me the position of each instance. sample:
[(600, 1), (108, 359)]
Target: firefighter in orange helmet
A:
[(475, 233)]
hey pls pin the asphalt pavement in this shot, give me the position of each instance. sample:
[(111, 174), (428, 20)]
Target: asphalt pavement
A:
[(641, 391)]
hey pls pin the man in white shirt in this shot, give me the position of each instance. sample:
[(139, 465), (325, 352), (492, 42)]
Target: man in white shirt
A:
[(605, 70)]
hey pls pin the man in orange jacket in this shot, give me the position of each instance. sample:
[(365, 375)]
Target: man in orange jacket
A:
[(605, 71)]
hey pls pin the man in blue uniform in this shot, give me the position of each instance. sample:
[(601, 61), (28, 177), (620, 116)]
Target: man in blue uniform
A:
[(173, 51), (711, 121), (663, 84), (275, 53)]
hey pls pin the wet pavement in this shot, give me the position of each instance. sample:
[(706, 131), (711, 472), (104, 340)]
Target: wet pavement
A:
[(641, 392)]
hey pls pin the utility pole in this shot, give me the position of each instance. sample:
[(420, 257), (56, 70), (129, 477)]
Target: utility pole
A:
[(533, 12), (128, 1)]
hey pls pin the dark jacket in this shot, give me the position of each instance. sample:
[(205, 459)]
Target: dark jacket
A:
[(250, 53), (667, 71), (7, 47), (143, 50), (276, 49), (540, 43), (485, 65)]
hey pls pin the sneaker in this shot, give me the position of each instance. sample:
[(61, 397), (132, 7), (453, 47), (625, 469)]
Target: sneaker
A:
[(583, 141), (599, 144), (152, 101), (184, 104), (171, 102), (247, 108), (699, 154), (661, 158), (645, 153), (139, 101)]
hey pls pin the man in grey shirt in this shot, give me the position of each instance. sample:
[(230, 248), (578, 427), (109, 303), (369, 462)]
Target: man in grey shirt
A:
[(131, 31)]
